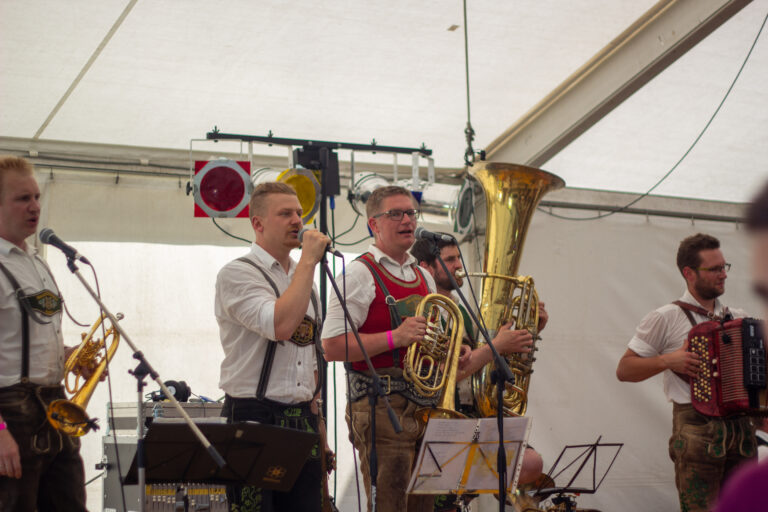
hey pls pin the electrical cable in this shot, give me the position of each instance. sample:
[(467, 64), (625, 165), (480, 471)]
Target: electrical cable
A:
[(352, 243), (685, 154), (95, 478), (227, 232), (335, 237)]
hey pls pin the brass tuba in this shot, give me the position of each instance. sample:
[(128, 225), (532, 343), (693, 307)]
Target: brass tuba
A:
[(432, 363), (69, 416), (512, 193)]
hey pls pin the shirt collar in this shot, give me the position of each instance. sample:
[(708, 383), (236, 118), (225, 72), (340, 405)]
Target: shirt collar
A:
[(687, 297), (266, 259), (6, 247), (379, 256)]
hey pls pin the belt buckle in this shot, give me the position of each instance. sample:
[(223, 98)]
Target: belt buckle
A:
[(389, 383)]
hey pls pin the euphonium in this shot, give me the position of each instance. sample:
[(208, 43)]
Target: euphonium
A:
[(432, 363), (70, 416), (511, 195)]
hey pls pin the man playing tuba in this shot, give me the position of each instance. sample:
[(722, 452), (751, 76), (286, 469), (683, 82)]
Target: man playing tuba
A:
[(507, 340)]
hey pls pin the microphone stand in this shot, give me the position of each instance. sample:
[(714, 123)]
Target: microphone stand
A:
[(500, 376), (141, 371), (377, 392)]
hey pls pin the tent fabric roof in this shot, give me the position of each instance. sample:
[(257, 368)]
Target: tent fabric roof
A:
[(393, 72)]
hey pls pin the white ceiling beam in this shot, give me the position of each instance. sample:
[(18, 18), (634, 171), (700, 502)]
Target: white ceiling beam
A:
[(653, 42)]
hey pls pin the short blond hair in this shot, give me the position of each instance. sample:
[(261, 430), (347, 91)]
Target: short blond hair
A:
[(9, 163), (262, 191), (373, 205)]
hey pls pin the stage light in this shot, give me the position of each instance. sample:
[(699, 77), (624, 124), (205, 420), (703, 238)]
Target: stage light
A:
[(222, 188), (303, 181), (441, 204)]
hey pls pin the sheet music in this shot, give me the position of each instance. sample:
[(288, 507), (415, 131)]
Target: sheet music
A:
[(459, 455)]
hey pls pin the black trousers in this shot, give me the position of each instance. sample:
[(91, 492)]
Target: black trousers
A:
[(52, 473), (306, 492)]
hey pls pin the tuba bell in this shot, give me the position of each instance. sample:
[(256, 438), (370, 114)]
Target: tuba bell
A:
[(431, 364), (69, 416), (512, 193)]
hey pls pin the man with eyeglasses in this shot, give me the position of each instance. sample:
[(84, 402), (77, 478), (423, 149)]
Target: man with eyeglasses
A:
[(386, 330), (745, 492), (705, 450)]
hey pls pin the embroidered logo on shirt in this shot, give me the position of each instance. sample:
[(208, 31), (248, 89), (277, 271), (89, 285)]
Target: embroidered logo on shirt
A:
[(45, 302), (305, 333)]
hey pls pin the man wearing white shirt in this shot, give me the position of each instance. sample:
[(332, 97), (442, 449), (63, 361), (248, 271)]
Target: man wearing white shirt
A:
[(705, 450), (387, 269), (269, 326), (40, 467)]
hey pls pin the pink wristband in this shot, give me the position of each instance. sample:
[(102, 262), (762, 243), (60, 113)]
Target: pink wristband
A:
[(3, 425), (390, 341)]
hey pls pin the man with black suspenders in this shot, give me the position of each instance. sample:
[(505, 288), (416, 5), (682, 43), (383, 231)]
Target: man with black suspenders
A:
[(269, 320), (40, 467), (705, 450)]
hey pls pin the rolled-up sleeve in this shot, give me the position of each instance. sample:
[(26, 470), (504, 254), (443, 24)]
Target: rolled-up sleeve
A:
[(246, 299), (360, 292), (650, 336)]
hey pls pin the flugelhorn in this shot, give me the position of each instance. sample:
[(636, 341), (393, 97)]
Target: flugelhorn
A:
[(431, 364), (69, 416)]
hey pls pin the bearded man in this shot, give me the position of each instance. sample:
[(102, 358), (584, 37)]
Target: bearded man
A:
[(704, 449)]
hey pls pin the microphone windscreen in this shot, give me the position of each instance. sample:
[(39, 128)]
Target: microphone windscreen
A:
[(45, 235)]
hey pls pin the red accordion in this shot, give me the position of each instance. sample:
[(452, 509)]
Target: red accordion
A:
[(732, 370)]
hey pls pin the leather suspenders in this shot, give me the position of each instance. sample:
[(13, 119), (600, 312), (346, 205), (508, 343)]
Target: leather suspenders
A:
[(24, 323), (269, 357)]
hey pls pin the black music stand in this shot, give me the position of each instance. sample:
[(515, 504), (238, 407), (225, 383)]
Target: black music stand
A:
[(575, 459), (265, 456)]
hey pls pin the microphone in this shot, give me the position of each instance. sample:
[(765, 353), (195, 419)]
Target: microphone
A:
[(47, 236), (329, 248), (423, 234)]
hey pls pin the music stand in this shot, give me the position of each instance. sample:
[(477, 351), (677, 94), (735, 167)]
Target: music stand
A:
[(264, 456), (571, 470), (459, 456)]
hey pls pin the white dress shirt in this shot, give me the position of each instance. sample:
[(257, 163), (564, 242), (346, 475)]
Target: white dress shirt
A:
[(46, 344), (245, 311), (665, 330), (361, 290)]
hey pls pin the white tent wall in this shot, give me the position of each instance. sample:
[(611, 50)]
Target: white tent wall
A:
[(157, 264)]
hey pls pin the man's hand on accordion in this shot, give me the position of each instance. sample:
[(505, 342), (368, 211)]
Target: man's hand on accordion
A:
[(681, 361)]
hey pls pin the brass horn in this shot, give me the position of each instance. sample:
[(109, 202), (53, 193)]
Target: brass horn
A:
[(69, 416), (432, 363), (512, 193)]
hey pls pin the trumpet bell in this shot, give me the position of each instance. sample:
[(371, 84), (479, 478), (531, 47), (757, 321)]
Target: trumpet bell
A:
[(70, 418)]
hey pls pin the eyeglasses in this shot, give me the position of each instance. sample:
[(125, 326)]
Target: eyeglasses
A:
[(717, 269), (398, 214)]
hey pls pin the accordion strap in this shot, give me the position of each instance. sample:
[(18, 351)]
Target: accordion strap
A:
[(687, 308)]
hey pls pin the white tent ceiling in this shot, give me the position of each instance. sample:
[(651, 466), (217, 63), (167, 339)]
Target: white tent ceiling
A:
[(353, 71)]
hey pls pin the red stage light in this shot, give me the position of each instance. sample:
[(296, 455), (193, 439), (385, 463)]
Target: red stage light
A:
[(222, 188)]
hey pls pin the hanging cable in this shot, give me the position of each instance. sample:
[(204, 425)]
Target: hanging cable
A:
[(687, 152), (469, 153), (227, 232)]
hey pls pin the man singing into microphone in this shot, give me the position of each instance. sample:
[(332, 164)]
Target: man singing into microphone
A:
[(385, 270), (40, 467), (269, 320)]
